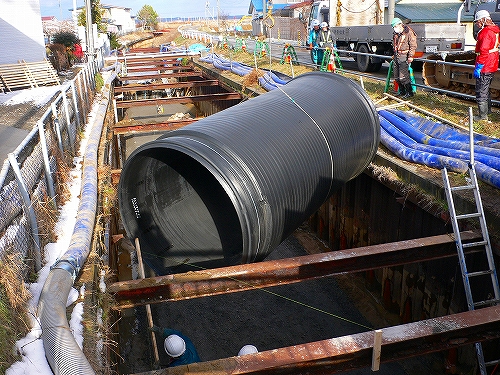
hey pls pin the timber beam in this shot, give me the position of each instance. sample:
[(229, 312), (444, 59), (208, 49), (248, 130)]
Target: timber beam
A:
[(161, 86), (355, 351), (180, 99), (283, 271)]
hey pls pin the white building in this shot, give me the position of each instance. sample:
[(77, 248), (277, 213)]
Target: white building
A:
[(118, 19), (21, 33)]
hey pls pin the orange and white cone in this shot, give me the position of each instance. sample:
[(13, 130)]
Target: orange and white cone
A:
[(331, 64)]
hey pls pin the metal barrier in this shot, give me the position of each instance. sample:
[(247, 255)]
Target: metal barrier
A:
[(29, 176)]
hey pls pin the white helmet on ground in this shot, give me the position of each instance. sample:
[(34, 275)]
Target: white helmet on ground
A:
[(315, 22), (480, 14), (323, 24), (174, 346), (248, 349)]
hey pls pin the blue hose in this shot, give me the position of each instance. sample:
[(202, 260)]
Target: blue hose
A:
[(269, 82), (396, 144), (438, 130), (395, 132), (423, 138)]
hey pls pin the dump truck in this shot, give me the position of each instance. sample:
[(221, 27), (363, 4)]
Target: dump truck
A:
[(360, 28)]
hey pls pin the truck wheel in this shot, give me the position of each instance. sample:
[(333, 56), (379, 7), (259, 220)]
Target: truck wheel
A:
[(362, 60), (365, 63)]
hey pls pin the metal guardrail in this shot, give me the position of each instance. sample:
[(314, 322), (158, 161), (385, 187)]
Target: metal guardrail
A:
[(29, 177), (208, 38)]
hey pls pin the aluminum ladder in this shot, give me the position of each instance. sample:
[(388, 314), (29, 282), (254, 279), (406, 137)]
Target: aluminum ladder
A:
[(471, 184)]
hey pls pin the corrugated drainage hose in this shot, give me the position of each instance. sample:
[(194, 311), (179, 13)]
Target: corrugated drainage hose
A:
[(232, 186), (62, 351)]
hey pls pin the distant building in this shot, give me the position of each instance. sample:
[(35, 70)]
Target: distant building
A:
[(118, 19), (21, 33)]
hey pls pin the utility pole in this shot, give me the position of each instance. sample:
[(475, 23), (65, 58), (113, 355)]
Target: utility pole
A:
[(90, 31), (390, 11)]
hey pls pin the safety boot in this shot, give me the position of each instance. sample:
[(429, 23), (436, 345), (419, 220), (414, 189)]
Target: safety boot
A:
[(401, 90), (408, 91), (483, 111)]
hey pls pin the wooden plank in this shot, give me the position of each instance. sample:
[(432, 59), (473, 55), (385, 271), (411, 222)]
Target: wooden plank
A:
[(27, 75)]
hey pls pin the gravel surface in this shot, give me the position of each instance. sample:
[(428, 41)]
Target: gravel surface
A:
[(219, 326)]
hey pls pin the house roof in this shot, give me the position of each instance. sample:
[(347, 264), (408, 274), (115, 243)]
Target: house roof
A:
[(298, 5), (257, 5), (432, 12)]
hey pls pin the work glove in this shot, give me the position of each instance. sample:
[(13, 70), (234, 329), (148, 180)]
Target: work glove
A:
[(477, 70), (154, 329)]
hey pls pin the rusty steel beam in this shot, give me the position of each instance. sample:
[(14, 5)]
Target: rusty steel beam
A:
[(151, 57), (155, 67), (160, 75), (350, 352), (161, 86), (283, 271), (153, 127), (180, 99)]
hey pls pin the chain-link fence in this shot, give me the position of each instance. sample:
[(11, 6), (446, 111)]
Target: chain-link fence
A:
[(32, 176)]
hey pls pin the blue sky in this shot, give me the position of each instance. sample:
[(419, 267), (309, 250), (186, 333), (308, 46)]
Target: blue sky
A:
[(164, 8)]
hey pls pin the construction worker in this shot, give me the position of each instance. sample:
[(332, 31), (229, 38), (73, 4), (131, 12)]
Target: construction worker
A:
[(324, 40), (312, 41), (178, 347), (404, 44), (486, 61), (248, 349)]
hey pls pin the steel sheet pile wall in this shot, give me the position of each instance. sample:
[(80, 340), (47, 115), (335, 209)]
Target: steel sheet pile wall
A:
[(232, 186), (365, 212)]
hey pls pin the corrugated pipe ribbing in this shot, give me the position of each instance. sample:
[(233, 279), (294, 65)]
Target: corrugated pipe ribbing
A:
[(232, 186), (62, 352)]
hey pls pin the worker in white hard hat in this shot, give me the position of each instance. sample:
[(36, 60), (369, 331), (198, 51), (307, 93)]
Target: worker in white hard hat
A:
[(178, 347), (312, 40), (486, 61), (325, 40), (248, 349), (404, 45)]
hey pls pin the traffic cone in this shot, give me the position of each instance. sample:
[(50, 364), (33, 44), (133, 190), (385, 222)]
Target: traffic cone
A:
[(396, 87), (331, 64)]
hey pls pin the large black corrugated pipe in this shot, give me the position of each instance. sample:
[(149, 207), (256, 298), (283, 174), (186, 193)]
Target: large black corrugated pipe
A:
[(62, 351), (230, 187)]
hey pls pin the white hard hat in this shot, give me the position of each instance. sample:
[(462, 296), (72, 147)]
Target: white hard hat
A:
[(323, 24), (248, 349), (174, 346), (480, 14), (314, 23)]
